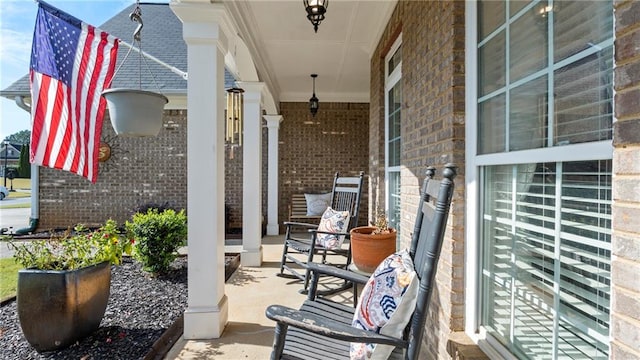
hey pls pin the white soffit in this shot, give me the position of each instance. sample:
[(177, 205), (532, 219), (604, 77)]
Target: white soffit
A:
[(284, 45)]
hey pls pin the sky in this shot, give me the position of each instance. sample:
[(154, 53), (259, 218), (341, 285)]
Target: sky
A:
[(17, 20)]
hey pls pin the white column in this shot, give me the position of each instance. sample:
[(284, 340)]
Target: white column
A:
[(273, 124), (252, 174), (207, 309)]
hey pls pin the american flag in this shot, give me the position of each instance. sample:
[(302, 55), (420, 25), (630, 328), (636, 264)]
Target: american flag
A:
[(71, 63)]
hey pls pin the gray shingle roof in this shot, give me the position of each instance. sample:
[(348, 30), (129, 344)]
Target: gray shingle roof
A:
[(161, 37)]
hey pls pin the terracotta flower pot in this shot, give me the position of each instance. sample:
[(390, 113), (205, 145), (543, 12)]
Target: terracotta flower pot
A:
[(368, 250)]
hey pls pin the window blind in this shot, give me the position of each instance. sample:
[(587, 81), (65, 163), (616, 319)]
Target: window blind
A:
[(547, 258)]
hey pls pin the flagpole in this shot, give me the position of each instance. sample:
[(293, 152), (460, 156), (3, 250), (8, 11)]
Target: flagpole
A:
[(173, 69)]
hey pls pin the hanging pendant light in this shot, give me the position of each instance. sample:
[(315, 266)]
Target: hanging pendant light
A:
[(314, 103), (235, 102), (315, 11)]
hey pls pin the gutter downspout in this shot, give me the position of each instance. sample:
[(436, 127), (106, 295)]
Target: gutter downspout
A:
[(35, 182)]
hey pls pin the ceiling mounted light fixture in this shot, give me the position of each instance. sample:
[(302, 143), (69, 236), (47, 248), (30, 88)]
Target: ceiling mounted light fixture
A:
[(315, 11), (314, 103)]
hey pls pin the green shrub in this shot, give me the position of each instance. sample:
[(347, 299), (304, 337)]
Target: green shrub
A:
[(157, 236), (74, 249)]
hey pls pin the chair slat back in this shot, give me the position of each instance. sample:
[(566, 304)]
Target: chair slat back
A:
[(426, 244), (346, 194)]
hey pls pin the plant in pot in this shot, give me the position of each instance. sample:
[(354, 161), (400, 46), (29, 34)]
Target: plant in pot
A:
[(372, 244), (63, 291)]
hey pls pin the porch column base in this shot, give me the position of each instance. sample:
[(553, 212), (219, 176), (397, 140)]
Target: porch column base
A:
[(206, 322), (251, 257), (273, 229)]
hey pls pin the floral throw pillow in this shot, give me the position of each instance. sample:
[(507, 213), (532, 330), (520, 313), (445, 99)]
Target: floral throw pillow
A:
[(386, 304), (332, 221), (317, 203)]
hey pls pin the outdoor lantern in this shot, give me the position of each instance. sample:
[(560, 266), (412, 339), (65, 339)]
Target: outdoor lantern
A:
[(315, 11), (314, 103), (235, 102)]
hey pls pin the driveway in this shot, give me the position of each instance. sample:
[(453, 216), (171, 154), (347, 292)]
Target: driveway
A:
[(13, 219)]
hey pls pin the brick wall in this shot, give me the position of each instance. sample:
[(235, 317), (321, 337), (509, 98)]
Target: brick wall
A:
[(233, 184), (153, 169), (625, 243), (140, 171), (432, 134), (312, 149)]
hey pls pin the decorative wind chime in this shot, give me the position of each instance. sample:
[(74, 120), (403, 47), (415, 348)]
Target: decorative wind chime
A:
[(235, 102)]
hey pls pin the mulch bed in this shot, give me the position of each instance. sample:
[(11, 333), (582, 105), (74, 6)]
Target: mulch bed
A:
[(142, 321)]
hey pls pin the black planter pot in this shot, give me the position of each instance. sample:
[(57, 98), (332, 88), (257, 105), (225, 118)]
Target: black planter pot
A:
[(57, 308)]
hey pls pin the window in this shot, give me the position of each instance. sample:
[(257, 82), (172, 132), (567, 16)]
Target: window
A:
[(546, 258), (542, 158), (393, 136)]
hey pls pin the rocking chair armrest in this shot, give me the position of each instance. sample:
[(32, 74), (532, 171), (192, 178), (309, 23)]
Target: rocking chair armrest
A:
[(316, 231), (338, 272), (301, 224), (327, 327)]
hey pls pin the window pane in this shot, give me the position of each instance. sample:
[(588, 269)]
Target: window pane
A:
[(394, 202), (394, 152), (497, 269), (491, 125), (580, 25), (491, 65), (583, 107), (393, 140), (528, 115), (395, 120), (524, 230), (490, 17), (396, 58), (528, 45), (585, 245), (517, 5)]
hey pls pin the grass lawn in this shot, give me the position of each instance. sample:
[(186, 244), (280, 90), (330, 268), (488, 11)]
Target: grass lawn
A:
[(16, 206), (8, 277), (17, 183), (18, 194)]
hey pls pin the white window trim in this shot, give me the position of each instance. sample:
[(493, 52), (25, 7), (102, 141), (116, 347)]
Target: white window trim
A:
[(600, 150), (472, 189), (390, 80)]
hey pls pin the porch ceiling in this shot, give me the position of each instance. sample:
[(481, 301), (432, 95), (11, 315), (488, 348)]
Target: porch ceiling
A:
[(286, 50)]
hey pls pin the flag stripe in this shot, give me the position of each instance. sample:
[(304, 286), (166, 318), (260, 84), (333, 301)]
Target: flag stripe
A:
[(54, 108), (95, 59)]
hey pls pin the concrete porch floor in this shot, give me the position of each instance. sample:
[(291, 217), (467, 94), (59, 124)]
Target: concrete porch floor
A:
[(249, 334)]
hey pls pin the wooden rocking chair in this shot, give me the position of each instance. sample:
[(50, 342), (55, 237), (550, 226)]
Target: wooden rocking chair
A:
[(300, 248), (322, 329)]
